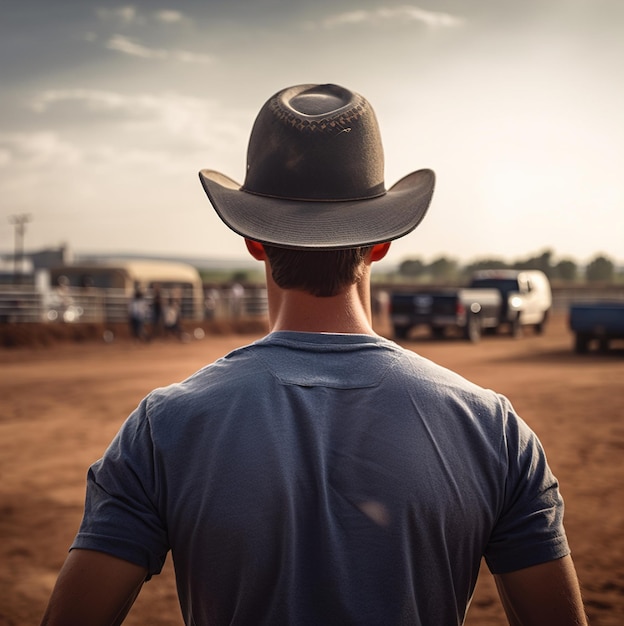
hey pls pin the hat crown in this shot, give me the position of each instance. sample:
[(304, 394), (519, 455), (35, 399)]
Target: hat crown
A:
[(315, 142), (315, 176), (315, 102)]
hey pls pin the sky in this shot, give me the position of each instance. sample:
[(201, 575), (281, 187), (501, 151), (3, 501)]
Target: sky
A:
[(109, 110)]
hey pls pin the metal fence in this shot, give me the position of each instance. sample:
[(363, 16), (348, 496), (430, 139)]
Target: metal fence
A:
[(25, 303), (563, 297)]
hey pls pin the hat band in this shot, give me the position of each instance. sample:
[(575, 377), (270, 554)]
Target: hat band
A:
[(376, 192)]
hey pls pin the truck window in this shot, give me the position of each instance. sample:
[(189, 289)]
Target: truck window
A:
[(504, 285)]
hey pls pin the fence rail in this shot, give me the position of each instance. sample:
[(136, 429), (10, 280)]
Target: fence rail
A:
[(563, 297), (25, 303)]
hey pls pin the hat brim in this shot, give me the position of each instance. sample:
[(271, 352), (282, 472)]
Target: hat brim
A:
[(310, 224)]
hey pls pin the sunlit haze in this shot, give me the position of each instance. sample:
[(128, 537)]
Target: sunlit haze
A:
[(109, 111)]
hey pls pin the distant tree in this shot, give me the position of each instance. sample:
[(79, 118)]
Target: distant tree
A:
[(443, 269), (412, 268), (541, 262), (484, 264), (600, 269), (239, 276), (565, 270)]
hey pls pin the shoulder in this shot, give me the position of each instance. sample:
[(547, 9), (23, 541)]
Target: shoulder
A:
[(440, 384), (212, 385), (448, 401)]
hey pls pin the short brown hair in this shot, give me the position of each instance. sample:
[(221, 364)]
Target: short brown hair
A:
[(322, 273)]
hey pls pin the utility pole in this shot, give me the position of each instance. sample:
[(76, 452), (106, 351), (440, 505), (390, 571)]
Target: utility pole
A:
[(19, 221)]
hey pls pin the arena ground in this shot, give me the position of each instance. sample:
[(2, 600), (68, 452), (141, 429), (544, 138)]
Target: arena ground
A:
[(62, 401)]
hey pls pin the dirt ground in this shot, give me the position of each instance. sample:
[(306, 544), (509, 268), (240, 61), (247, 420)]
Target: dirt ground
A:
[(61, 405)]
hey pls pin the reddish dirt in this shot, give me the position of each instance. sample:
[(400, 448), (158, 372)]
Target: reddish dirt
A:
[(62, 404)]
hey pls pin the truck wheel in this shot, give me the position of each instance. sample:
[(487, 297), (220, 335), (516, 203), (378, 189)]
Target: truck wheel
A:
[(437, 332), (400, 332), (603, 344), (516, 326), (539, 327), (581, 343), (472, 330)]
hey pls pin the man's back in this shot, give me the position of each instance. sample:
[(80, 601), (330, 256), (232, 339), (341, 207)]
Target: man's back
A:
[(323, 476), (318, 478)]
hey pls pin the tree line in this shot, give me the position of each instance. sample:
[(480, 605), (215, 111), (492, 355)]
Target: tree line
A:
[(601, 269)]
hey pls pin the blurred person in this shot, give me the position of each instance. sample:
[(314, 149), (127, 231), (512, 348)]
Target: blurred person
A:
[(237, 298), (137, 314), (171, 315), (157, 312), (323, 474), (212, 298)]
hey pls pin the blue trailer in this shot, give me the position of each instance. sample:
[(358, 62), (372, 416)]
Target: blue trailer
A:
[(596, 323)]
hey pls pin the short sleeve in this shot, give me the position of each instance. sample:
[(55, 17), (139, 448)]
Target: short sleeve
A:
[(529, 527), (121, 516)]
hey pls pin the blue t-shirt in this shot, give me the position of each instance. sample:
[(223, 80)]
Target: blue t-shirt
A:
[(324, 479)]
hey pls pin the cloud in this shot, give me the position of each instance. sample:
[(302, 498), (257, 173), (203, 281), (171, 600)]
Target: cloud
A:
[(128, 46), (185, 56), (130, 15), (36, 149), (93, 99), (5, 155), (132, 48), (168, 17), (119, 138), (126, 15), (166, 119), (405, 13), (168, 109)]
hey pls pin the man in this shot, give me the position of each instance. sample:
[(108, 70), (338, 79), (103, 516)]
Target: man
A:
[(322, 475)]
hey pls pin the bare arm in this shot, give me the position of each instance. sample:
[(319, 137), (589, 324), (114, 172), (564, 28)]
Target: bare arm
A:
[(543, 595), (93, 588)]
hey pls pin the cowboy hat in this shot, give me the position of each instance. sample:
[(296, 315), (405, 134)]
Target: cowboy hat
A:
[(315, 176)]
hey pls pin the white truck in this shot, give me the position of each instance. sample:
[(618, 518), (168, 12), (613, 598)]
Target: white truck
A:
[(494, 299), (527, 297)]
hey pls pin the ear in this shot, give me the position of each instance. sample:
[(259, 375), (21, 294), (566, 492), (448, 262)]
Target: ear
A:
[(379, 251), (256, 249)]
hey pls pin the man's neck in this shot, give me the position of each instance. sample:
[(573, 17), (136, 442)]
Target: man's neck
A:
[(348, 312)]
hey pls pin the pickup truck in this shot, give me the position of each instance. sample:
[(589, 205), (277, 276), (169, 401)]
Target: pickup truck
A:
[(470, 310), (493, 300), (596, 323)]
